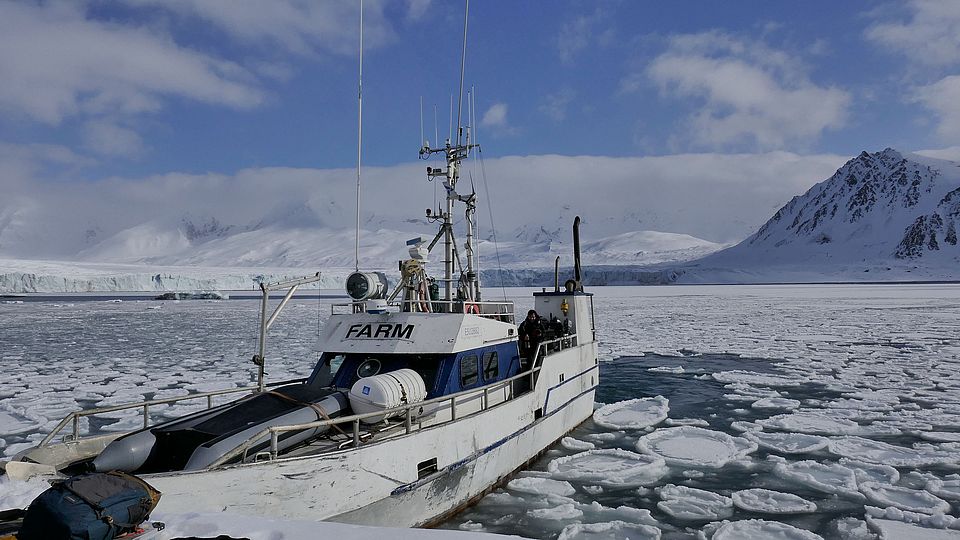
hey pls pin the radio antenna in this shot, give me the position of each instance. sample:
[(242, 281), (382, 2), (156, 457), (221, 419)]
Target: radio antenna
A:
[(359, 139), (463, 63)]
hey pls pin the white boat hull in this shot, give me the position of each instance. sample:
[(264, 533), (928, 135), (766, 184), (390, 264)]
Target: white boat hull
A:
[(377, 484)]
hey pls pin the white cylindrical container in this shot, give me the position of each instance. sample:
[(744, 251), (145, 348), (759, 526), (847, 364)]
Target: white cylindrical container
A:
[(386, 391)]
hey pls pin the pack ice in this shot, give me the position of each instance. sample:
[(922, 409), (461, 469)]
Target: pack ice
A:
[(689, 446), (609, 468), (633, 414)]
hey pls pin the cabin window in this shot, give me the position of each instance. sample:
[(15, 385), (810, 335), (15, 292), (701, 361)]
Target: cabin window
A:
[(468, 371), (335, 362), (491, 366)]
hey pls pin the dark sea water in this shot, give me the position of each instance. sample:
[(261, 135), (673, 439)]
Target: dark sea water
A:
[(693, 394)]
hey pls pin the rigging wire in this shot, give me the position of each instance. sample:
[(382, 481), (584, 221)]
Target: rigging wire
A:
[(493, 227)]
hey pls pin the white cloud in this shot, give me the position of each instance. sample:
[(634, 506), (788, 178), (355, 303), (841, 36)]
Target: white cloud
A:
[(713, 196), (931, 37), (748, 93), (110, 139), (951, 153), (299, 26), (555, 105), (417, 9), (56, 63), (496, 117), (581, 32), (943, 98)]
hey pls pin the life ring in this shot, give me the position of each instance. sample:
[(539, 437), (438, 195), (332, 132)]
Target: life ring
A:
[(471, 308)]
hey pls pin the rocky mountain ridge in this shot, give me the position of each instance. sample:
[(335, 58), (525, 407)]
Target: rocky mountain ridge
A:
[(882, 207)]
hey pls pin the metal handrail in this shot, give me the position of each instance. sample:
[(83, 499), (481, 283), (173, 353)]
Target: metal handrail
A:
[(75, 416), (509, 305), (274, 431), (565, 342)]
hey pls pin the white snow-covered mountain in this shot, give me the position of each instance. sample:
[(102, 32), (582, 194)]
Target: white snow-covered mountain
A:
[(881, 216), (160, 256)]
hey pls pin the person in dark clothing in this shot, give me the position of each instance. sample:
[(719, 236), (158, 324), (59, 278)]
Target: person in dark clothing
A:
[(531, 334)]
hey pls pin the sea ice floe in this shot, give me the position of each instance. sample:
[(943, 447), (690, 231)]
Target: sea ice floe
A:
[(911, 500), (691, 504), (746, 392), (881, 452), (605, 437), (895, 529), (688, 446), (853, 529), (788, 443), (471, 526), (613, 530), (871, 472), (862, 404), (667, 369), (633, 413), (820, 423), (127, 423), (745, 427), (541, 486), (947, 489), (596, 512), (10, 425), (765, 501), (700, 422), (567, 511), (609, 468), (825, 477), (941, 436), (576, 445), (775, 403), (758, 529), (758, 379)]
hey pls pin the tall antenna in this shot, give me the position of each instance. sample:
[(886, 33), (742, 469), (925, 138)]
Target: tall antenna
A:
[(421, 121), (359, 139), (463, 63)]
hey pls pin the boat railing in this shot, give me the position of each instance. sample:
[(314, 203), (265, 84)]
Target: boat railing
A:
[(551, 346), (450, 401), (497, 310), (74, 417)]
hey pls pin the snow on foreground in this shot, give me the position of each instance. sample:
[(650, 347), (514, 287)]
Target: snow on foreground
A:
[(18, 494), (254, 528)]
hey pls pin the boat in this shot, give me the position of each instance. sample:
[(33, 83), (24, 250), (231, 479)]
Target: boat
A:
[(423, 400)]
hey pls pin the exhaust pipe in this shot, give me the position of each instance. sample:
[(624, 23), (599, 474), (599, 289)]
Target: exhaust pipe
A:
[(573, 285), (556, 275), (576, 253)]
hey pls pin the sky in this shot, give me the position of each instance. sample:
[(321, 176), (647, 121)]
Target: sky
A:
[(127, 96)]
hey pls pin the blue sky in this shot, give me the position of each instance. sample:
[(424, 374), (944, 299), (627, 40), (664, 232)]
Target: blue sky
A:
[(137, 89), (565, 77)]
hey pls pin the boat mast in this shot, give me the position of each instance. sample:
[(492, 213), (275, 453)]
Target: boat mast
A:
[(455, 153), (359, 140)]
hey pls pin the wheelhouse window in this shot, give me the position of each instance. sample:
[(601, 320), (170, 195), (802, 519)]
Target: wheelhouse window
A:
[(491, 366), (335, 362), (468, 371)]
